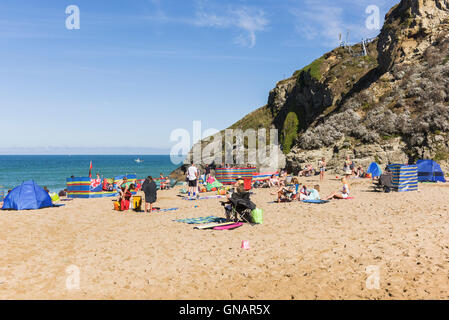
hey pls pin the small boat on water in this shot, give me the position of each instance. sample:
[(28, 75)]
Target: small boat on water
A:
[(138, 160)]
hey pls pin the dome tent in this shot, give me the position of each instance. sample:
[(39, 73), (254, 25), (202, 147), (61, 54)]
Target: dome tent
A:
[(27, 196), (375, 170), (429, 171)]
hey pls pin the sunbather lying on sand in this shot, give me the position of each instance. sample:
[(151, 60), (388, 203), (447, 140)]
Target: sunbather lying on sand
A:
[(343, 193)]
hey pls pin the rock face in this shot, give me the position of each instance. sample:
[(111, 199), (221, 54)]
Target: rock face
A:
[(399, 111), (389, 106), (409, 29)]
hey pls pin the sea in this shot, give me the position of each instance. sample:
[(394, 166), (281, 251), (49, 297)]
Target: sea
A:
[(52, 171)]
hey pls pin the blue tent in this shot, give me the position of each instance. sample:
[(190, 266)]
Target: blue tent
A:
[(375, 170), (27, 196), (429, 170)]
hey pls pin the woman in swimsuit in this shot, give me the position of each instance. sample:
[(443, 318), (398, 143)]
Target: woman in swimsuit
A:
[(322, 166), (343, 194)]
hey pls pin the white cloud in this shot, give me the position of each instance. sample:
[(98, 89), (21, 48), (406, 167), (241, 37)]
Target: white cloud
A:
[(249, 20), (326, 20)]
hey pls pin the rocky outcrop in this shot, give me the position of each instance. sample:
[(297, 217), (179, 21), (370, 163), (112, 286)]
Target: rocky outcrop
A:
[(391, 105), (410, 28)]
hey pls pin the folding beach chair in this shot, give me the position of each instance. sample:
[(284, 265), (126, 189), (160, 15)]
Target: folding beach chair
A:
[(385, 183), (239, 207)]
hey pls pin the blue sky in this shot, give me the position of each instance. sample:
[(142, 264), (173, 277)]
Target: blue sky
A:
[(136, 70)]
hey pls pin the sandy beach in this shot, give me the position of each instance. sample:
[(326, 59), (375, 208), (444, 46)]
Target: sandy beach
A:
[(300, 252)]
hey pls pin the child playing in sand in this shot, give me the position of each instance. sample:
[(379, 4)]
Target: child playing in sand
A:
[(343, 194)]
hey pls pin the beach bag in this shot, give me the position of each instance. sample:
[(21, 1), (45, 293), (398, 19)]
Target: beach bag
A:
[(117, 206), (183, 191), (137, 203), (257, 216)]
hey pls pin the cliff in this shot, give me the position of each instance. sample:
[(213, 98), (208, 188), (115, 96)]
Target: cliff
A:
[(391, 105)]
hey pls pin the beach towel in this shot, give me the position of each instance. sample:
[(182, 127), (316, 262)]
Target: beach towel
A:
[(165, 210), (229, 227), (203, 198), (213, 185), (213, 225), (202, 220), (316, 201)]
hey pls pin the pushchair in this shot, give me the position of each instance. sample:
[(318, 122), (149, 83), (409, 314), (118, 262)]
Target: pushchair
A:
[(239, 207)]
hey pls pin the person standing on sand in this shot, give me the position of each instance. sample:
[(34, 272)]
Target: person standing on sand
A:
[(192, 177), (322, 167), (348, 167), (149, 188), (206, 172)]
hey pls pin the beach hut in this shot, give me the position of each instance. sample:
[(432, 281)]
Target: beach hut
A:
[(429, 171), (405, 178), (27, 196), (228, 176), (374, 169), (87, 188)]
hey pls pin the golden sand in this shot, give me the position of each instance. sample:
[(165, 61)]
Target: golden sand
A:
[(300, 252)]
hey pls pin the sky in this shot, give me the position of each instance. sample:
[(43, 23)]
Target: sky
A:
[(136, 70)]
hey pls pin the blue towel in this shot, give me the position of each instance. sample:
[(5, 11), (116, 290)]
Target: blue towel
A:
[(202, 220), (316, 201)]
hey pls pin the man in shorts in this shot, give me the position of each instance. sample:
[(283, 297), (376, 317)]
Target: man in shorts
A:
[(192, 178)]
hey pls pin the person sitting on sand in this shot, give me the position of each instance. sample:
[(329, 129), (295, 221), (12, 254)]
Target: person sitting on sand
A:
[(310, 194), (273, 182), (307, 172), (239, 197), (303, 193), (343, 193), (239, 181), (283, 178), (360, 172), (288, 193), (122, 183), (163, 184), (126, 197)]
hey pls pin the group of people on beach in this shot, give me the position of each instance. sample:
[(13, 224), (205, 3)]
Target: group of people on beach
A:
[(290, 189), (148, 187)]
